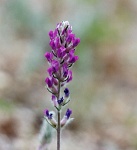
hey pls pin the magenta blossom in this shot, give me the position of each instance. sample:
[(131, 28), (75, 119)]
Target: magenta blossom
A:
[(62, 57), (63, 43)]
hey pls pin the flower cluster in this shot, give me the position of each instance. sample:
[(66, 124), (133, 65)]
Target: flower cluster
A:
[(63, 43)]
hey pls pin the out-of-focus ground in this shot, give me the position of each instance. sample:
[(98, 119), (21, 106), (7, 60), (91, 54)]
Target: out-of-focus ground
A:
[(104, 88)]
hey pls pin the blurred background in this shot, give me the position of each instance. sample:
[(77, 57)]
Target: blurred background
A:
[(104, 87)]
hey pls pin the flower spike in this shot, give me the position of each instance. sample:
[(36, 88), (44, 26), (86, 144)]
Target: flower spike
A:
[(63, 43)]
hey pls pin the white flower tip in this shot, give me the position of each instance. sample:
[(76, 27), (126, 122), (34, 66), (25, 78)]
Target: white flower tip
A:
[(65, 23), (53, 113)]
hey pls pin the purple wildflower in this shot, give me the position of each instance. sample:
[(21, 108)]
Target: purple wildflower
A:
[(69, 76), (68, 113), (72, 57), (47, 114), (52, 84), (62, 57), (76, 42), (54, 99), (49, 56), (63, 43), (49, 117), (60, 101), (66, 119), (49, 82), (66, 91)]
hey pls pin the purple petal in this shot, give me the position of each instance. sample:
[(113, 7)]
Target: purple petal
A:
[(51, 34), (66, 91), (50, 71), (53, 97), (55, 66), (60, 100), (46, 112), (55, 32), (76, 42), (52, 44), (65, 70), (70, 38), (57, 43), (69, 76), (68, 113), (61, 52), (49, 82), (55, 81), (49, 56), (73, 59)]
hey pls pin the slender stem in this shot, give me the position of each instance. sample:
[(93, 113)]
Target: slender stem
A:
[(58, 132), (59, 116)]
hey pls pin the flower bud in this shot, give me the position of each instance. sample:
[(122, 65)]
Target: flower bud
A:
[(66, 91), (66, 119), (54, 99), (49, 118)]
